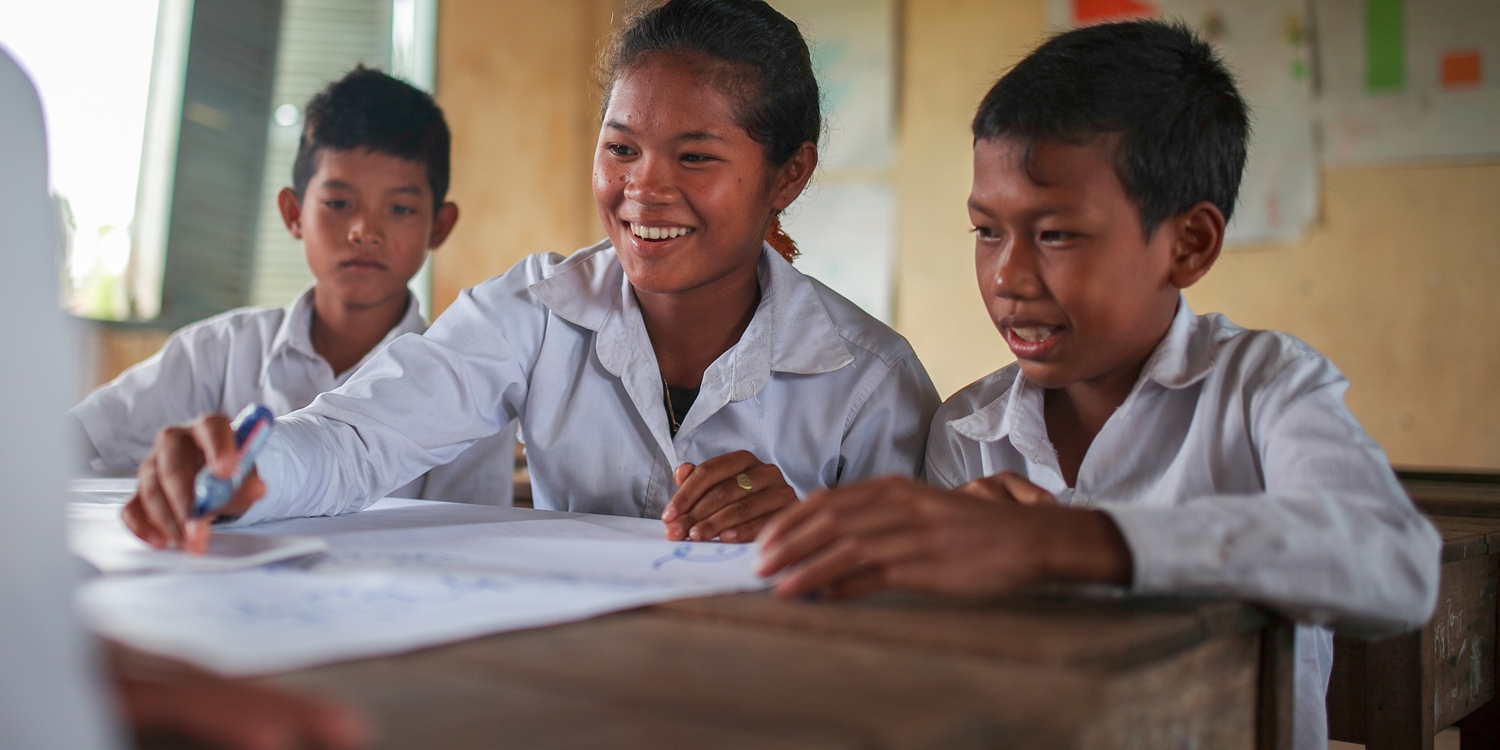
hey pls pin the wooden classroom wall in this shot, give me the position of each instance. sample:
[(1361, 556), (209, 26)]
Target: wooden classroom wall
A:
[(1395, 282)]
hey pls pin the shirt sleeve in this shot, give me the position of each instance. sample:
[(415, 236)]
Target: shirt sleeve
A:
[(177, 384), (482, 475), (888, 431), (1333, 540), (417, 404)]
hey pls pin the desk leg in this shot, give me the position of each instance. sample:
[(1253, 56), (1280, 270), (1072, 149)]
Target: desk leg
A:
[(1481, 730), (1399, 708), (1277, 664)]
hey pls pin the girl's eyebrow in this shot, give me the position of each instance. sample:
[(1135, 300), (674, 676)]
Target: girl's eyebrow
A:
[(692, 135)]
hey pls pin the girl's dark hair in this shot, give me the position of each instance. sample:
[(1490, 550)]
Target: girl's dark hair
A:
[(1184, 127), (767, 67)]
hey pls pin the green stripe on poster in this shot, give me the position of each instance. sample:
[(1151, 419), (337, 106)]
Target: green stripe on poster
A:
[(1385, 45)]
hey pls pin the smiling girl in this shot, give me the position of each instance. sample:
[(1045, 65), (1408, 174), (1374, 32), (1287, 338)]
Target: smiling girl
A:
[(681, 369)]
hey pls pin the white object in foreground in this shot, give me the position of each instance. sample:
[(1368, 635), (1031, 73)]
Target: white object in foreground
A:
[(96, 534), (404, 575)]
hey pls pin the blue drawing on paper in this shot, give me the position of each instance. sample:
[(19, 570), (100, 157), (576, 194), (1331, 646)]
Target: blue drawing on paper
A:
[(701, 553)]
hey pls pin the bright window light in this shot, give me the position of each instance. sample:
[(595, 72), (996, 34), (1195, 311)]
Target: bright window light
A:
[(91, 63)]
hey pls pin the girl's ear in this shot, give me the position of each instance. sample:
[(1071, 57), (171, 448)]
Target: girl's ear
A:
[(1199, 239), (792, 176)]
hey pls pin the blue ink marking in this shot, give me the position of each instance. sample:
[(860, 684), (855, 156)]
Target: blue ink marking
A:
[(701, 553)]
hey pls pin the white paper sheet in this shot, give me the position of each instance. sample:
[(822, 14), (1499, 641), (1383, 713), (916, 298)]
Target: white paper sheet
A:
[(96, 534), (406, 574)]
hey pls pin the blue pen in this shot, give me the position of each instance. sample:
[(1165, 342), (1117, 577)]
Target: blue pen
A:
[(251, 429)]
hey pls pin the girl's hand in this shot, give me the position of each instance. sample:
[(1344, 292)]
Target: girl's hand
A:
[(161, 511), (730, 497), (1008, 487), (900, 534)]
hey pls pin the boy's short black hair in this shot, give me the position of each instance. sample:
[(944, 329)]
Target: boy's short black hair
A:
[(369, 109), (1182, 124)]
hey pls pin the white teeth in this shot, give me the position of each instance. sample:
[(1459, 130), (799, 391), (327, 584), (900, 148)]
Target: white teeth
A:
[(658, 233), (1033, 334)]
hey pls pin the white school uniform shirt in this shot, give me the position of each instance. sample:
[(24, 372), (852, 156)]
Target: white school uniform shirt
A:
[(265, 356), (814, 385), (1232, 469)]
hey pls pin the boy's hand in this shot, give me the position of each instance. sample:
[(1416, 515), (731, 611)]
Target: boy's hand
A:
[(1008, 487), (900, 534), (713, 501), (161, 511)]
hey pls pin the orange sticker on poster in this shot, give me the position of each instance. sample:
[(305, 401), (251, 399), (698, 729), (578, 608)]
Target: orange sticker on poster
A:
[(1095, 11), (1462, 68)]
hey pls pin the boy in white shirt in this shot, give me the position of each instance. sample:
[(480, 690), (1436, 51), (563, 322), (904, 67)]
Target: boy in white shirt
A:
[(1133, 442), (367, 202)]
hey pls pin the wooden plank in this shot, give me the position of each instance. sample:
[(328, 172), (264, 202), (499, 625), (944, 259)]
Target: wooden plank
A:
[(1398, 710), (1453, 493), (1055, 631), (1348, 691), (1276, 703), (1462, 639), (658, 679)]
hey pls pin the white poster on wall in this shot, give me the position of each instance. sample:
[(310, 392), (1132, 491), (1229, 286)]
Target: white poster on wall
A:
[(1409, 80), (1265, 44), (847, 235), (853, 48), (844, 224)]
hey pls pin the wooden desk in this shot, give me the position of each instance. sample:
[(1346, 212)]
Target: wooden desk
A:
[(1398, 693), (750, 671)]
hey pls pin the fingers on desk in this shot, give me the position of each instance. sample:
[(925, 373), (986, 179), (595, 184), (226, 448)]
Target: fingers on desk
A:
[(712, 502)]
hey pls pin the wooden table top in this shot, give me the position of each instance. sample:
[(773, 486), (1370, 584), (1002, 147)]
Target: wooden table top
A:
[(751, 671)]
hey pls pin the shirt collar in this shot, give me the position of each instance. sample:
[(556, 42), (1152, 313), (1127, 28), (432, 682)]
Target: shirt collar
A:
[(1182, 358), (1185, 355), (295, 332), (790, 332)]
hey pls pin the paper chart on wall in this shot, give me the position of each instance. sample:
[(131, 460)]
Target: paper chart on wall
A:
[(1265, 43), (844, 223), (1408, 80), (410, 575)]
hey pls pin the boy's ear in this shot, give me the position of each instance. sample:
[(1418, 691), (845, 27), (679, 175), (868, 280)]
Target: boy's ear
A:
[(291, 211), (1200, 238), (442, 224)]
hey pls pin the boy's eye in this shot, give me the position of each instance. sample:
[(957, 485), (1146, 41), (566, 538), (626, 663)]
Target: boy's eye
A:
[(403, 210), (985, 233), (1056, 235), (619, 149), (337, 204), (696, 158)]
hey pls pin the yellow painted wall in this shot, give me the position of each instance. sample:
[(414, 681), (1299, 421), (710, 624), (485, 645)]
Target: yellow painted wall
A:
[(515, 79), (1395, 283)]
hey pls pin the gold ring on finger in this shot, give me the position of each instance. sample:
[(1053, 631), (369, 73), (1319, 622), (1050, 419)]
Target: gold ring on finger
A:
[(744, 482)]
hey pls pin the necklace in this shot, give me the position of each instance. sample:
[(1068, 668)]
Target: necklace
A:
[(671, 410)]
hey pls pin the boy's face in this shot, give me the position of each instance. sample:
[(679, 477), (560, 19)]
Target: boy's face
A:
[(1079, 292), (366, 222)]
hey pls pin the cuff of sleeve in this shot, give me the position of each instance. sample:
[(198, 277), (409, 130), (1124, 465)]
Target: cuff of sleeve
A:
[(96, 429), (270, 465), (1171, 550)]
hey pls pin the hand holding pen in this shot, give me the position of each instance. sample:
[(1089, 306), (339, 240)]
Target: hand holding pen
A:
[(194, 473)]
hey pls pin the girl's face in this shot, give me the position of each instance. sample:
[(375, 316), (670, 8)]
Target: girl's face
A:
[(683, 191)]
